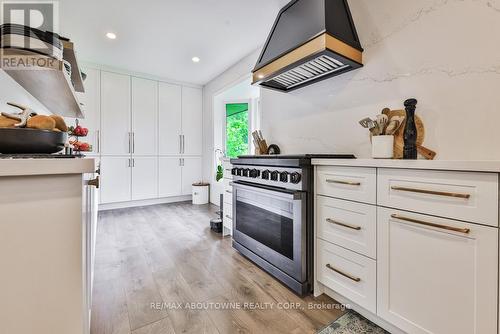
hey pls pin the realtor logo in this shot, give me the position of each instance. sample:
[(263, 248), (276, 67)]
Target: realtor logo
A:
[(39, 15), (30, 28)]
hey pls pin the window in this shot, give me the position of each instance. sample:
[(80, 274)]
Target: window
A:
[(237, 120)]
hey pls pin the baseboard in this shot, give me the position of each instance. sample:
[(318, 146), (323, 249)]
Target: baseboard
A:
[(132, 204), (365, 313)]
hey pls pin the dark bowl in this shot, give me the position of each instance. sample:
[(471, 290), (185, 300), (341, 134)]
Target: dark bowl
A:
[(30, 141)]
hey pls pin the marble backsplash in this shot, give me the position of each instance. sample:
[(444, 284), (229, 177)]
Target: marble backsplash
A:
[(445, 53)]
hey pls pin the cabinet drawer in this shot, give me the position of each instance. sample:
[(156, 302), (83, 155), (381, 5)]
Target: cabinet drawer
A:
[(356, 184), (228, 196), (228, 211), (348, 224), (227, 173), (347, 273), (459, 195)]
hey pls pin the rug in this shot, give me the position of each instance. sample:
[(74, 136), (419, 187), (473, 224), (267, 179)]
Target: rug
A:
[(352, 323)]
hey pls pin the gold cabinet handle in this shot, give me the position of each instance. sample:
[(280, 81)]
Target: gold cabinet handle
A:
[(349, 183), (94, 182), (431, 192), (352, 227), (421, 222), (355, 279), (229, 217)]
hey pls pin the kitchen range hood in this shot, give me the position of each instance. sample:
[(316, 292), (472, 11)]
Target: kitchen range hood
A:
[(311, 40)]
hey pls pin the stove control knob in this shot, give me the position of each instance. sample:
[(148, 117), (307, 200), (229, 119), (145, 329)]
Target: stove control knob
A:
[(254, 173), (239, 171), (275, 175), (295, 178), (266, 174), (234, 171), (284, 177), (246, 171)]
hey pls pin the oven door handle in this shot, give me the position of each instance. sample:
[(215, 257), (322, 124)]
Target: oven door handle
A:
[(285, 193)]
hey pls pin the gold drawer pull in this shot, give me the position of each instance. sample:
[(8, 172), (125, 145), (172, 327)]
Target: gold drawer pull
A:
[(355, 279), (353, 227), (444, 227), (229, 217), (349, 183), (432, 192), (229, 191)]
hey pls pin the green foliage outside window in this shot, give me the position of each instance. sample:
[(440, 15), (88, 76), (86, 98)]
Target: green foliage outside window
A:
[(236, 129)]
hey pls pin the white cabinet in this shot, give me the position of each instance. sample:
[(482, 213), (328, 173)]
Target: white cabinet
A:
[(144, 116), (192, 121), (170, 174), (170, 118), (115, 114), (115, 179), (191, 172), (144, 178), (436, 279), (91, 101)]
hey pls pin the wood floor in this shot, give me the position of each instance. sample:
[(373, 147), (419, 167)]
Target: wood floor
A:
[(167, 254)]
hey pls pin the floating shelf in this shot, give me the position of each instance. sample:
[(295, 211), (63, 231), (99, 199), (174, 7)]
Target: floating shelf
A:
[(46, 79), (76, 75)]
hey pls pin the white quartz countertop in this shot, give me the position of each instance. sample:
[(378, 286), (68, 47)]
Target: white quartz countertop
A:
[(20, 167), (453, 165)]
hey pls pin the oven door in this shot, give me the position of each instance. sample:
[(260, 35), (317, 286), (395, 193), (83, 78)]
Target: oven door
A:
[(271, 223)]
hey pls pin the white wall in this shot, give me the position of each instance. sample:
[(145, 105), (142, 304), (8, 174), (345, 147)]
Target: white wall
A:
[(219, 85), (11, 91), (446, 53)]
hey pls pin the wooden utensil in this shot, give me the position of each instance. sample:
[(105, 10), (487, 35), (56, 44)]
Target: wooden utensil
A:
[(398, 135)]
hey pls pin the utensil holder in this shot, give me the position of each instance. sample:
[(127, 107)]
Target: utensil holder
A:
[(382, 147)]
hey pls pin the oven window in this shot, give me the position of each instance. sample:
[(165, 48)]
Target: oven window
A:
[(266, 219)]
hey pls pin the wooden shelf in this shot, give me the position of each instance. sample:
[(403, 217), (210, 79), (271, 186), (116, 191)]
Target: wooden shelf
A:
[(76, 75), (46, 79)]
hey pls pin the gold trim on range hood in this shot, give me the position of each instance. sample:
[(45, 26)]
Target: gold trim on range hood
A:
[(318, 45)]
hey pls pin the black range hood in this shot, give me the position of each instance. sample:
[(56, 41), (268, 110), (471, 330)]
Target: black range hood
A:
[(311, 40)]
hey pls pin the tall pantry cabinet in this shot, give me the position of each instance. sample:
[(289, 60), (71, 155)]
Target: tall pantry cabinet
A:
[(148, 135)]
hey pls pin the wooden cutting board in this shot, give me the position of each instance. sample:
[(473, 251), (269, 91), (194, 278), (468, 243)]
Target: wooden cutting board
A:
[(398, 136)]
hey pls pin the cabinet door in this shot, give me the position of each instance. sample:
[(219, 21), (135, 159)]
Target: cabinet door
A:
[(170, 176), (144, 178), (115, 179), (191, 173), (115, 114), (169, 118), (432, 279), (144, 116), (192, 120), (91, 104)]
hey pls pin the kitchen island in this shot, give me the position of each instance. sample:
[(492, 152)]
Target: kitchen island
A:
[(47, 232)]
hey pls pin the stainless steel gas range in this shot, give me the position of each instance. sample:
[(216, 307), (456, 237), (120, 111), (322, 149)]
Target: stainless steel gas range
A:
[(273, 215)]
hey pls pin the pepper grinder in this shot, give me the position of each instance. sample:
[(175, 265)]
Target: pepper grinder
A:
[(410, 133)]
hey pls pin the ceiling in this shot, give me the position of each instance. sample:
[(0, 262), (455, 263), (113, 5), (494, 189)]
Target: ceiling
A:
[(159, 37)]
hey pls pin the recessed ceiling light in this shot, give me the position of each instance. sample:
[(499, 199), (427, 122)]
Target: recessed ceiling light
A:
[(111, 35), (195, 59)]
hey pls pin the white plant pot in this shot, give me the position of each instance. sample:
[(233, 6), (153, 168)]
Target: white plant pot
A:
[(382, 147)]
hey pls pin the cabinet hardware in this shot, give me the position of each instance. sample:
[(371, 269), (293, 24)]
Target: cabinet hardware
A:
[(180, 144), (229, 217), (421, 222), (355, 279), (183, 144), (133, 142), (353, 227), (133, 162), (349, 183), (98, 132), (431, 192), (129, 142), (94, 182), (129, 163), (229, 191)]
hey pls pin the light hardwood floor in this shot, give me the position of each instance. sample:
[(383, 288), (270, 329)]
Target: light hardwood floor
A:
[(167, 253)]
